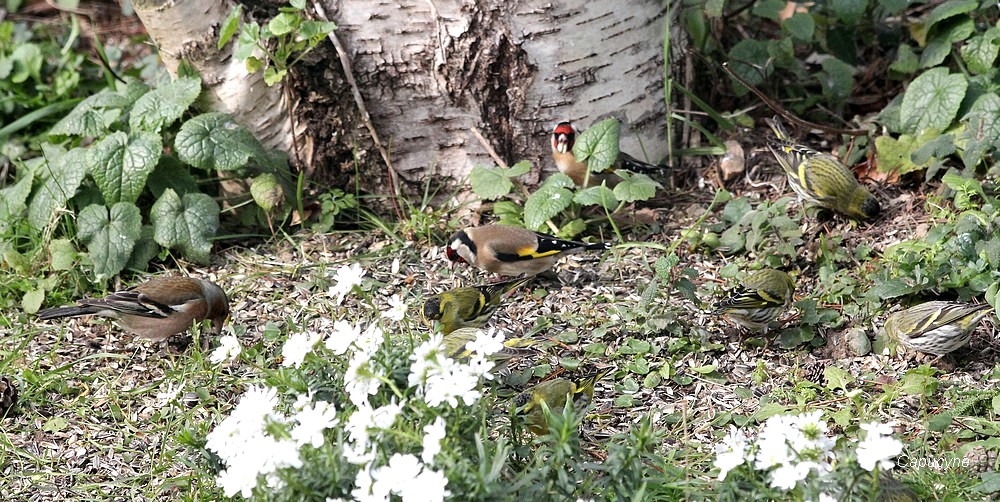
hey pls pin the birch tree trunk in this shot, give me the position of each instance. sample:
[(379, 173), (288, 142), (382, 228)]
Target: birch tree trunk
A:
[(432, 69)]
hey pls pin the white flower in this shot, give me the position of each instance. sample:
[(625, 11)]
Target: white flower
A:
[(424, 356), (229, 349), (364, 488), (370, 341), (785, 477), (400, 470), (486, 342), (296, 347), (361, 380), (428, 486), (731, 452), (384, 416), (166, 397), (772, 450), (878, 447), (449, 383), (256, 404), (397, 309), (312, 421), (347, 277), (394, 268), (343, 335), (433, 434)]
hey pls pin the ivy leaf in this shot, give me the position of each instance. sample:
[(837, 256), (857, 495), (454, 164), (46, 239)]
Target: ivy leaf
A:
[(635, 187), (549, 200), (185, 223), (60, 177), (491, 183), (932, 100), (164, 105), (109, 236), (120, 164), (599, 195), (215, 141), (598, 145)]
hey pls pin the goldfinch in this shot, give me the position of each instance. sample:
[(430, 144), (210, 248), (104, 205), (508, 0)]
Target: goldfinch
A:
[(563, 138), (820, 178), (156, 309), (512, 251), (935, 327), (467, 307), (455, 343), (760, 298), (554, 393)]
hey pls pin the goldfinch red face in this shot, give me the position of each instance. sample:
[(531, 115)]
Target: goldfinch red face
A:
[(460, 249), (563, 137)]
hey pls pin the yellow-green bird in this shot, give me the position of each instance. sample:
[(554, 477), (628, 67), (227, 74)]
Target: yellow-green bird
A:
[(936, 327), (821, 178), (760, 298), (554, 393), (455, 347), (468, 307)]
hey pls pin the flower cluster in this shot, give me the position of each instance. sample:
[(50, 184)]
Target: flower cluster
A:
[(257, 440), (796, 450)]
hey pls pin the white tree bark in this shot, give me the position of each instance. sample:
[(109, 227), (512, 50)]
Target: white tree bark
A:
[(432, 69)]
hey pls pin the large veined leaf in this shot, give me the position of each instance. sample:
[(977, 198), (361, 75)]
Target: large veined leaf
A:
[(598, 145), (60, 177), (120, 164), (186, 223), (932, 100), (164, 105), (215, 141), (109, 235), (549, 200)]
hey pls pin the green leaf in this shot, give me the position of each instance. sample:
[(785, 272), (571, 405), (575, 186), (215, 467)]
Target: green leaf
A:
[(60, 177), (164, 105), (215, 141), (906, 62), (246, 44), (145, 250), (932, 100), (27, 59), (849, 11), (598, 145), (311, 29), (939, 422), (32, 300), (635, 187), (982, 131), (769, 9), (980, 52), (230, 25), (62, 254), (120, 164), (171, 173), (266, 191), (599, 195), (939, 147), (836, 79), (939, 46), (948, 10), (800, 26), (837, 378), (749, 59), (93, 116), (109, 236), (890, 289), (490, 183), (185, 223), (549, 200), (283, 23), (894, 155), (273, 75), (12, 202)]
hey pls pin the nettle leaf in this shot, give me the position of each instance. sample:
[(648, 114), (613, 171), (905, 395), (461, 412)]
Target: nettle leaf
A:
[(598, 145), (215, 141), (635, 187), (266, 191), (597, 196), (12, 202), (164, 105), (120, 164), (494, 182), (171, 173), (932, 100), (185, 223), (109, 235), (93, 116), (60, 177), (549, 200)]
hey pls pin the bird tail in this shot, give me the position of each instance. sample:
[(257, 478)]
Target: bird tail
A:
[(73, 311), (630, 163), (778, 128), (585, 385), (598, 246), (501, 288)]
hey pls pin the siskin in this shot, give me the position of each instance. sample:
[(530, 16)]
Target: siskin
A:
[(760, 298), (820, 178), (554, 394), (935, 327), (467, 307), (455, 343)]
